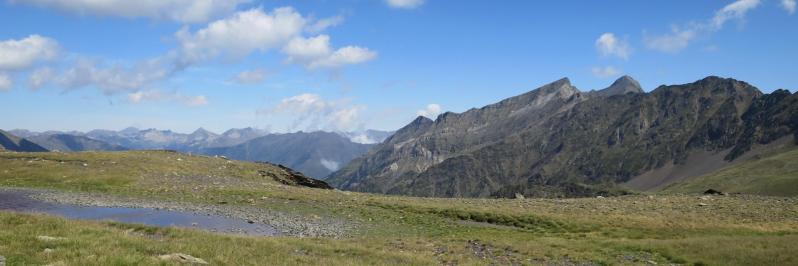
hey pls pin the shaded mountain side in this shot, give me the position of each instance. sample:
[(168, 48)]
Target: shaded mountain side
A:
[(316, 154), (701, 163), (10, 142), (425, 143), (576, 146), (773, 173), (68, 143)]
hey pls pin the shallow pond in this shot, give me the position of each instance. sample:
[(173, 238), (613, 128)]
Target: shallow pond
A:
[(21, 202)]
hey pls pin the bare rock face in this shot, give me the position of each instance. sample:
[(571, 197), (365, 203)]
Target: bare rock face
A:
[(555, 141)]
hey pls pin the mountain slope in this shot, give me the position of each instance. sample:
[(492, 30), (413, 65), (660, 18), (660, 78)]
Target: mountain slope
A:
[(424, 143), (316, 154), (554, 141), (67, 143), (773, 175), (13, 143)]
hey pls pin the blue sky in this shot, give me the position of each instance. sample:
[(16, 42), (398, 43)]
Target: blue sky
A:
[(356, 64)]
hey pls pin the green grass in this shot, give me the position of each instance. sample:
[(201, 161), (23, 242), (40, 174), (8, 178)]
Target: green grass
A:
[(392, 230), (773, 174)]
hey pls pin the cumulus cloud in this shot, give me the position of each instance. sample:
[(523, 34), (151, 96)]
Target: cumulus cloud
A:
[(316, 52), (608, 45), (250, 77), (405, 4), (6, 83), (185, 11), (344, 56), (788, 5), (605, 72), (240, 35), (304, 50), (24, 53), (161, 96), (680, 37), (432, 111), (255, 30), (312, 112), (325, 23)]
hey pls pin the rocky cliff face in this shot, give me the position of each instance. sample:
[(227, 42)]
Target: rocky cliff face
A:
[(555, 141)]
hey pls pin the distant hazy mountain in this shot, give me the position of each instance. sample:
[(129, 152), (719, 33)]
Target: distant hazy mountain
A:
[(134, 138), (236, 136), (556, 141), (316, 154), (67, 143), (13, 143)]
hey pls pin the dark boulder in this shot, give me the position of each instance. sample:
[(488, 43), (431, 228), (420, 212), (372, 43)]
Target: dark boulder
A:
[(294, 178), (713, 192)]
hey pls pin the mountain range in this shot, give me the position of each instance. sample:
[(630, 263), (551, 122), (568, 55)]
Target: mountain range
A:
[(316, 154), (10, 142), (556, 141)]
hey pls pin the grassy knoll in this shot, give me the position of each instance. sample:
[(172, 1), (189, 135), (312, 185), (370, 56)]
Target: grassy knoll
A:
[(724, 230), (772, 174)]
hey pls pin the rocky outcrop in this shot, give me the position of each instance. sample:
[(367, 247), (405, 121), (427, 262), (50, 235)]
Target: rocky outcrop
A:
[(294, 178)]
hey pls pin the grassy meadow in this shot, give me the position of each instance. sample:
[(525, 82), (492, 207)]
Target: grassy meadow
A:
[(687, 229)]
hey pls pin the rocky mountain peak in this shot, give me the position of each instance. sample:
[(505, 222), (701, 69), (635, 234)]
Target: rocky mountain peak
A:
[(202, 131), (621, 86), (562, 86)]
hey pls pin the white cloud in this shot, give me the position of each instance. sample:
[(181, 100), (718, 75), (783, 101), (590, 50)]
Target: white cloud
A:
[(330, 165), (325, 23), (605, 72), (312, 112), (788, 5), (160, 96), (186, 11), (674, 42), (6, 83), (731, 11), (680, 38), (432, 111), (304, 50), (114, 78), (316, 52), (608, 45), (39, 77), (24, 53), (344, 56), (405, 4), (249, 77), (254, 30), (240, 35)]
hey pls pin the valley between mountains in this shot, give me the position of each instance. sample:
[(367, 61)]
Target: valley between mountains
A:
[(702, 173)]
